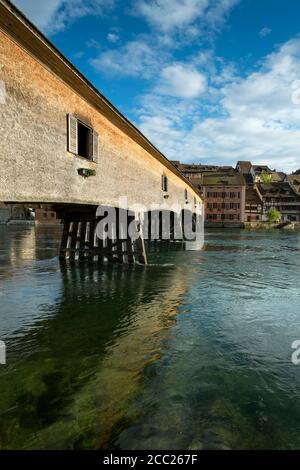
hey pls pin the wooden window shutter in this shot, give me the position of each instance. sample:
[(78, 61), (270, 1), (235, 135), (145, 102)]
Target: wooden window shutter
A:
[(72, 134), (91, 145), (95, 147)]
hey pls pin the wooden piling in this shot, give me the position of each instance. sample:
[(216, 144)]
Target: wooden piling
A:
[(80, 241)]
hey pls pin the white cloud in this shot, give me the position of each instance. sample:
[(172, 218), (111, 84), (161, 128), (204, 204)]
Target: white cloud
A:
[(39, 12), (135, 59), (54, 15), (112, 37), (150, 55), (265, 32), (218, 12), (171, 16), (181, 81), (255, 118)]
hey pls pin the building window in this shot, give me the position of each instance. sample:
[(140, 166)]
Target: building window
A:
[(164, 183), (186, 195), (82, 139)]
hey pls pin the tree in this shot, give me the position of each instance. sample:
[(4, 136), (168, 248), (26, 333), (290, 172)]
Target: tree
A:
[(274, 215), (265, 177)]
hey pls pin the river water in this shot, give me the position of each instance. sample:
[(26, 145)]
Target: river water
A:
[(190, 352)]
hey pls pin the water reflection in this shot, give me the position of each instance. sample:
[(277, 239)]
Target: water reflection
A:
[(192, 351), (78, 340)]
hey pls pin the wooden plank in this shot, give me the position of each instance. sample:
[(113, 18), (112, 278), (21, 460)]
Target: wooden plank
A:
[(91, 236), (82, 241), (119, 235), (74, 240), (64, 239)]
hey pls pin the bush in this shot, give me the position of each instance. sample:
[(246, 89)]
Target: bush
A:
[(274, 215)]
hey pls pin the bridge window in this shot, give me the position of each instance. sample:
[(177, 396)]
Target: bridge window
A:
[(165, 183), (82, 140)]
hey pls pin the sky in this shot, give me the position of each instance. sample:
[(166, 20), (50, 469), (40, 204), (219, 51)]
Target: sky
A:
[(207, 81)]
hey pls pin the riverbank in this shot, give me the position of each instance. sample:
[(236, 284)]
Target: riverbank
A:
[(271, 226)]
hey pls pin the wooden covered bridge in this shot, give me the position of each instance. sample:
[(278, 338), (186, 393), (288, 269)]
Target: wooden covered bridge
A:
[(63, 143)]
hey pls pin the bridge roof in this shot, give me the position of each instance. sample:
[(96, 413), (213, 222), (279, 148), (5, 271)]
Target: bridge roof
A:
[(22, 31)]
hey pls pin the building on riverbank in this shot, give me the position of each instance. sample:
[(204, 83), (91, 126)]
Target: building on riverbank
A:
[(294, 181), (253, 173), (283, 197), (46, 214), (253, 205), (38, 214), (196, 172), (15, 213), (247, 170), (282, 192), (259, 170), (225, 197)]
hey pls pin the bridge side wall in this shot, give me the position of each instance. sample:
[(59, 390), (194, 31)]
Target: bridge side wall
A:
[(35, 163)]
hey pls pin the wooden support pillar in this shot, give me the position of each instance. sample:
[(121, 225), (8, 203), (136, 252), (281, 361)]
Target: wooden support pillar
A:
[(81, 243)]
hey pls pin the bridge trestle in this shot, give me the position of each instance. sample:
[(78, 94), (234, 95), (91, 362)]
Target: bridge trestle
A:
[(83, 240)]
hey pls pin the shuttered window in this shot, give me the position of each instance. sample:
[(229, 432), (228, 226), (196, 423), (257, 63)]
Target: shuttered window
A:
[(95, 146), (82, 140), (72, 134)]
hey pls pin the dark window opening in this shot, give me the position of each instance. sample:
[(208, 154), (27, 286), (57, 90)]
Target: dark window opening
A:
[(165, 183), (84, 140)]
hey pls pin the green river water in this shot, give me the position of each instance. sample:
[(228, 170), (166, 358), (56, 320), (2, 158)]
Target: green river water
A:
[(190, 352)]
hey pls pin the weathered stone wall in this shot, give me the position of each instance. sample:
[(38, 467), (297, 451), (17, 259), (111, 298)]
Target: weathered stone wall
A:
[(35, 163)]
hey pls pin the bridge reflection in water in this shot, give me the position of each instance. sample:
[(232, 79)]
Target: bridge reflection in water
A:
[(78, 339)]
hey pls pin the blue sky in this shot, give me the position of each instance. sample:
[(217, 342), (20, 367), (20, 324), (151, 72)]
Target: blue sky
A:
[(211, 81)]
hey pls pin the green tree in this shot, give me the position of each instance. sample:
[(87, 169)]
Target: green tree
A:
[(265, 177), (274, 215)]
